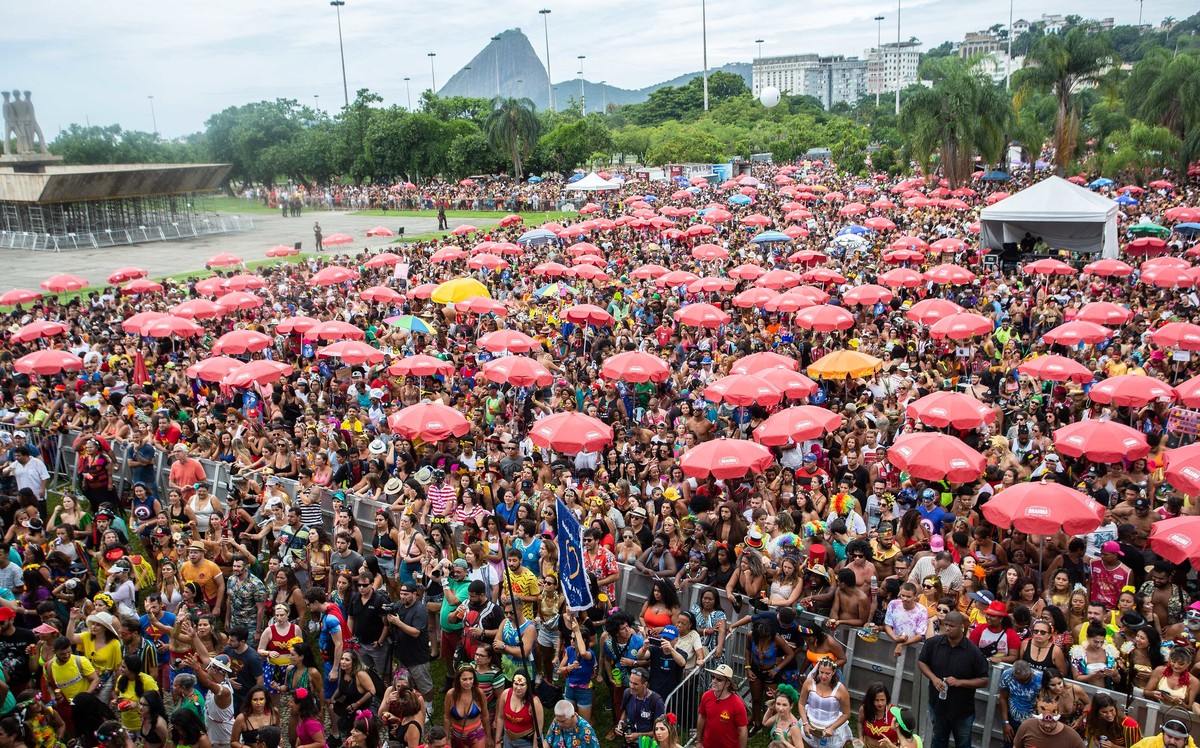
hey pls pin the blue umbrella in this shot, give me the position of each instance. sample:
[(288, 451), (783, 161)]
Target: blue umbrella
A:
[(535, 180), (1126, 200), (739, 199), (855, 229), (537, 236), (995, 175), (681, 180), (1040, 164), (771, 236), (694, 190), (650, 198), (575, 178), (1101, 182), (1188, 229)]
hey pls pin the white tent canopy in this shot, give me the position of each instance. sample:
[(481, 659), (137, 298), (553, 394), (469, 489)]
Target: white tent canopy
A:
[(1064, 215), (594, 183)]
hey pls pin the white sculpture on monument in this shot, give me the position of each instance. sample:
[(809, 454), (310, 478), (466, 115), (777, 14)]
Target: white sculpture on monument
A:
[(21, 123)]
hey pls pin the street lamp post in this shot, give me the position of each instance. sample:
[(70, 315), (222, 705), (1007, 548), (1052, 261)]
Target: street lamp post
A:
[(317, 102), (582, 95), (1008, 62), (337, 4), (153, 118), (408, 92), (603, 97), (878, 51), (704, 43), (757, 62), (545, 14), (496, 63), (432, 72), (897, 57)]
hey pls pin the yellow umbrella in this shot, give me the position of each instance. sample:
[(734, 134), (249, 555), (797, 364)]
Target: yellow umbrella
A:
[(817, 188), (459, 289), (842, 364)]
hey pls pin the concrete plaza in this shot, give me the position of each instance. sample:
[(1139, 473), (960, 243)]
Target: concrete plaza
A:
[(27, 269)]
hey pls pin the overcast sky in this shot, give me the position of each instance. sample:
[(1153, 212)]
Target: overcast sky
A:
[(100, 62)]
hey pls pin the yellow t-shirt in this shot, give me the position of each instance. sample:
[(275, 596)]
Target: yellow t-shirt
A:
[(524, 582), (131, 718), (72, 676), (106, 659)]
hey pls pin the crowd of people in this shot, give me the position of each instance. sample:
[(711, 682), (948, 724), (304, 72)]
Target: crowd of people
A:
[(150, 602)]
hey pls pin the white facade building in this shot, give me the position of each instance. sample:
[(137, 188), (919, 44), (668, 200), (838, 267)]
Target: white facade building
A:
[(829, 80), (892, 65)]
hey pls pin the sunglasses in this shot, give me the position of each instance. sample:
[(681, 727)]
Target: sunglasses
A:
[(927, 586)]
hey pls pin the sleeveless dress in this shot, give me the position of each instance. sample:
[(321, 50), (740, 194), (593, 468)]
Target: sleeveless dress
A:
[(273, 668), (823, 711)]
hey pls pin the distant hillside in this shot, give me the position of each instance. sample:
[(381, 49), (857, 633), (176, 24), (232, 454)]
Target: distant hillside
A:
[(511, 67)]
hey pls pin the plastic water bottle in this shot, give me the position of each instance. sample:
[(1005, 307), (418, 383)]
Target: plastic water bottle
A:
[(945, 692), (874, 585)]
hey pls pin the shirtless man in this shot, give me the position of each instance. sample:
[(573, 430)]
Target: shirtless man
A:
[(1135, 510), (884, 551), (851, 604), (859, 561), (1167, 598)]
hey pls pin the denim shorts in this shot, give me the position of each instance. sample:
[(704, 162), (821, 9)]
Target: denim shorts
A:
[(579, 696)]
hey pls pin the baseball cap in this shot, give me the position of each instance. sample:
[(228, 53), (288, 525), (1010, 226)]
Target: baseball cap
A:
[(7, 614), (221, 662), (462, 563), (1111, 546), (1141, 503), (670, 633), (810, 457)]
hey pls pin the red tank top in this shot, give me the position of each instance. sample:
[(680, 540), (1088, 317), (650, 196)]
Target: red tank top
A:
[(279, 642), (517, 724)]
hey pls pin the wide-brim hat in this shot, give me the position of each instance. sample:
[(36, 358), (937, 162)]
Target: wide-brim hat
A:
[(106, 620)]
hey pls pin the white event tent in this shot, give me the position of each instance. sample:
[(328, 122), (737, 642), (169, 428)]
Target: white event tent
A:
[(1065, 215), (593, 183)]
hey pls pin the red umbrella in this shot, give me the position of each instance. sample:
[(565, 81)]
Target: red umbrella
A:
[(213, 286), (789, 301), (226, 260), (808, 257), (929, 311), (550, 269), (584, 248), (1049, 266), (239, 300), (519, 371), (676, 278), (909, 242), (1177, 539), (64, 282), (711, 284), (1183, 468), (487, 260), (299, 323), (133, 323), (120, 275), (753, 297), (1101, 441), (511, 219), (421, 365), (37, 330), (933, 456), (951, 275), (824, 275), (792, 384), (1183, 336), (717, 215), (169, 326), (1147, 245), (507, 340), (1131, 390), (212, 369), (18, 296), (334, 239), (333, 275), (1169, 277), (431, 422), (961, 326), (795, 425), (239, 342), (482, 305), (825, 318), (1056, 369), (1107, 268), (590, 273), (635, 366), (1108, 313), (570, 433), (778, 279), (869, 295), (701, 315), (747, 271), (897, 256), (256, 372), (336, 330), (282, 251), (381, 295), (447, 255), (1076, 332), (245, 282), (709, 252), (902, 278), (643, 272), (588, 314), (423, 291), (743, 389), (879, 223), (725, 459), (380, 231), (1043, 508), (949, 408), (386, 259), (47, 362), (758, 362), (352, 352)]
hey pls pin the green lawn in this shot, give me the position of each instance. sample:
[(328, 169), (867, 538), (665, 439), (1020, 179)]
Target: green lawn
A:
[(225, 204), (531, 217)]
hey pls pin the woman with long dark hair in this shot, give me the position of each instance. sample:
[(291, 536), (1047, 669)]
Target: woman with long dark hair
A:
[(131, 685), (1108, 726), (465, 712), (156, 728), (310, 733), (257, 712), (660, 608), (876, 723), (187, 731)]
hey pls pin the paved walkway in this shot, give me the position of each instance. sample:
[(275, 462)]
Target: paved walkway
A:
[(27, 269)]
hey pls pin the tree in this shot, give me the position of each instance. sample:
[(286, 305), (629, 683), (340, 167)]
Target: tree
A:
[(1061, 65), (1165, 89), (571, 144), (964, 113), (1145, 149), (512, 130)]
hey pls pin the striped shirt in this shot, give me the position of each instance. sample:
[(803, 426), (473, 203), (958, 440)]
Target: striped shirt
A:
[(441, 498)]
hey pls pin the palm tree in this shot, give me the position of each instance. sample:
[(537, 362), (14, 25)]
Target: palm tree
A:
[(964, 113), (1164, 89), (512, 130), (1062, 65)]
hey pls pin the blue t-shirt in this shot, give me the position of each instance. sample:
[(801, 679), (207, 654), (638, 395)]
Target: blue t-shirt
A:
[(935, 515), (167, 620), (330, 625), (581, 678), (615, 652), (531, 555)]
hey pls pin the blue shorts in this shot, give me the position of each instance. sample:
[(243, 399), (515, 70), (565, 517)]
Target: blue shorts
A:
[(580, 696), (330, 684)]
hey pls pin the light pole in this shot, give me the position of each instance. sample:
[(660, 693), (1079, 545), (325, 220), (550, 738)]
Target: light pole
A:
[(496, 64), (1140, 4), (897, 58), (759, 42), (757, 63), (408, 92), (317, 102), (545, 14), (603, 97), (704, 42), (582, 96), (153, 118), (1008, 63), (878, 51), (432, 73), (337, 4)]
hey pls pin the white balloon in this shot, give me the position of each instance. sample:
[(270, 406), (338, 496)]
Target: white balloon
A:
[(769, 96)]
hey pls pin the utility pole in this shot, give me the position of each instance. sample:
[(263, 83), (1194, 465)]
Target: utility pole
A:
[(317, 102), (879, 53), (582, 95), (545, 14), (432, 72), (897, 58), (757, 64), (408, 92), (496, 63), (603, 97), (153, 118), (337, 4), (1008, 64), (704, 41)]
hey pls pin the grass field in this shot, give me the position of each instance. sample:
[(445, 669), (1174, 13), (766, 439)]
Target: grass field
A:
[(531, 217)]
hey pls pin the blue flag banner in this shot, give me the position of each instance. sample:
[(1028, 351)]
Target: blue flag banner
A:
[(572, 573)]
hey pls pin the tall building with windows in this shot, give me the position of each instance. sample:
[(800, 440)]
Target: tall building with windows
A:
[(829, 80), (892, 65)]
